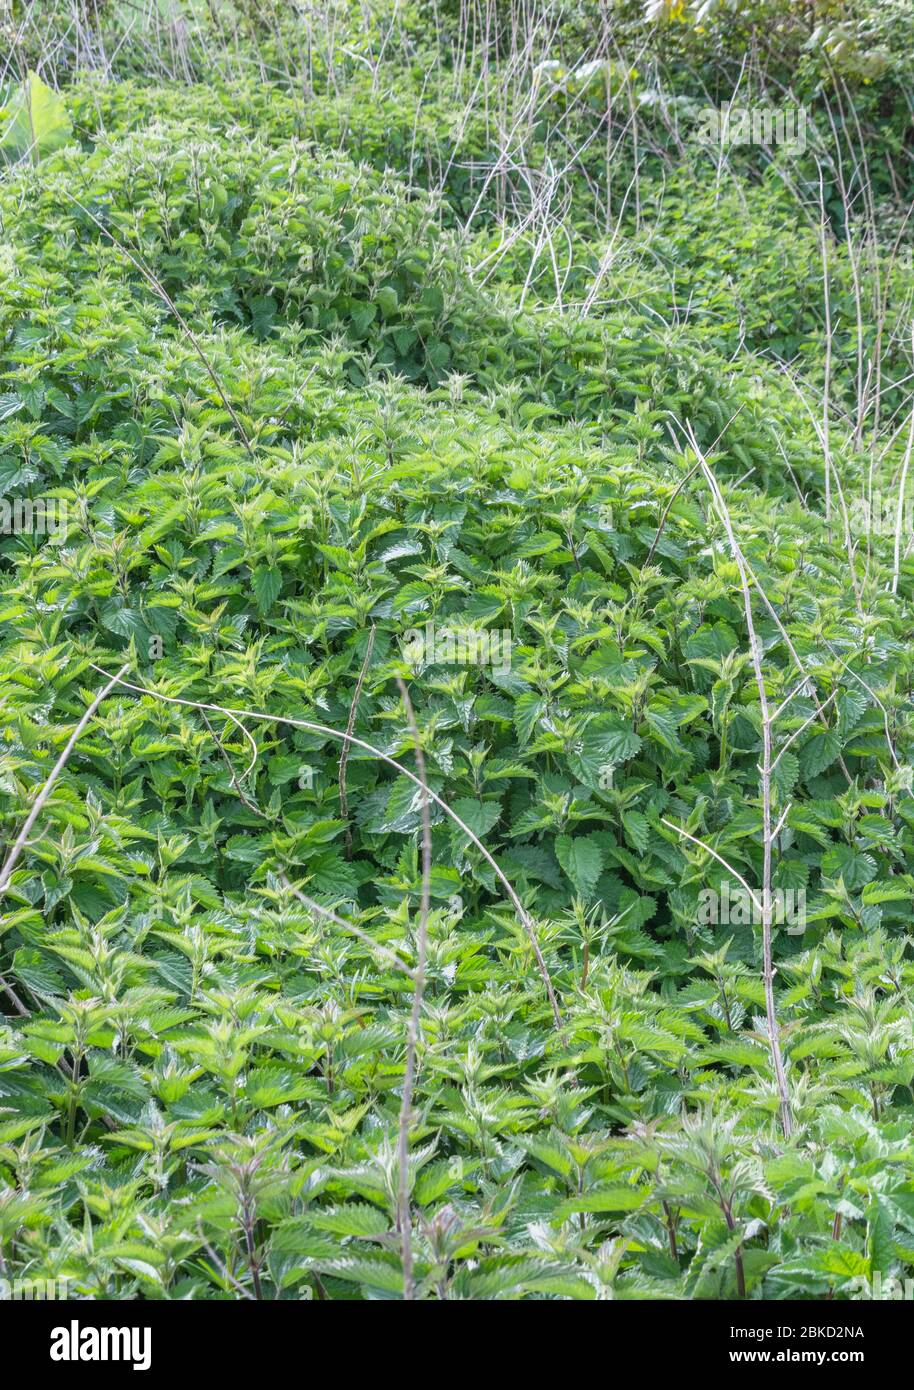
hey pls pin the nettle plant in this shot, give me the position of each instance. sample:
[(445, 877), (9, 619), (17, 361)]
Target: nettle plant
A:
[(339, 965)]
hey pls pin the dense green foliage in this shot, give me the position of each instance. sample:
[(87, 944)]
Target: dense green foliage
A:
[(294, 408)]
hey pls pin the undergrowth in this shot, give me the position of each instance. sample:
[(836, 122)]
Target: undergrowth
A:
[(317, 413)]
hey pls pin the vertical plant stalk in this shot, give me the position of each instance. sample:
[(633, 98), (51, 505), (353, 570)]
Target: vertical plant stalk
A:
[(902, 484), (404, 1219), (765, 770), (738, 1252), (248, 1222), (826, 390), (344, 756)]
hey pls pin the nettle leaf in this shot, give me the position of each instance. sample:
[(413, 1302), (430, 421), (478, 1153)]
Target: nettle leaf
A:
[(790, 873), (267, 585), (582, 860), (387, 300), (663, 727), (887, 891), (605, 743), (124, 621), (876, 829), (851, 706), (605, 1200), (786, 772), (850, 865), (880, 1245), (332, 875), (479, 816), (263, 314), (378, 1274), (438, 1178), (248, 849), (711, 643), (273, 1084), (528, 710), (819, 752), (356, 1219), (37, 972), (899, 1203), (535, 862), (637, 830), (284, 769), (540, 544)]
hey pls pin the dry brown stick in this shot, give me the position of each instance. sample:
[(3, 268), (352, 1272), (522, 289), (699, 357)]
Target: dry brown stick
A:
[(344, 756), (404, 1216), (829, 334), (13, 997), (329, 732)]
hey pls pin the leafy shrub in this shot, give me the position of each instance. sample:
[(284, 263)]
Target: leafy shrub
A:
[(301, 452)]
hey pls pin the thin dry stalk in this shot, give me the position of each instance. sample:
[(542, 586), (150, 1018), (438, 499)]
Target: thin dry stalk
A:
[(902, 484), (765, 770), (826, 393)]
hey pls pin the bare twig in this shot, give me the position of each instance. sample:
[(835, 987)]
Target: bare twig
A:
[(902, 484), (680, 830), (755, 649), (255, 810)]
